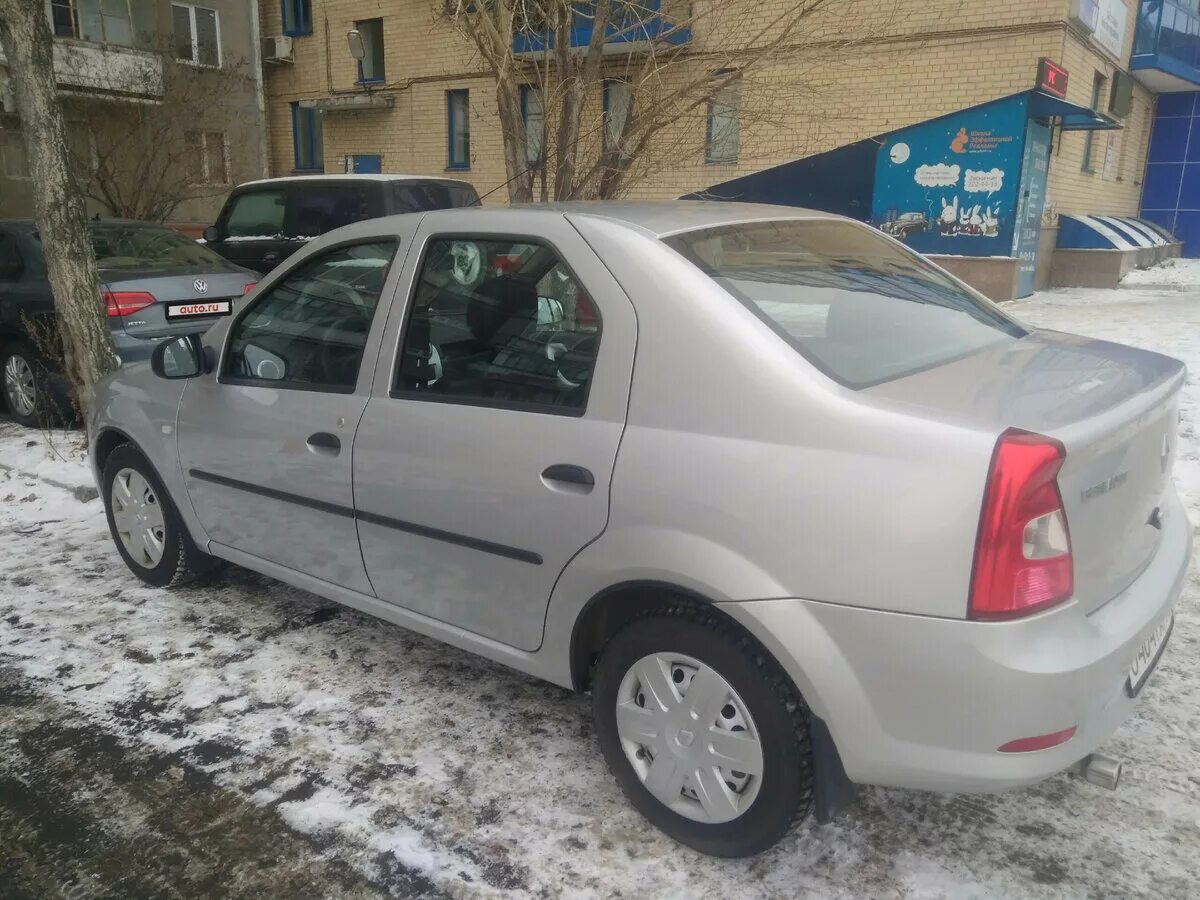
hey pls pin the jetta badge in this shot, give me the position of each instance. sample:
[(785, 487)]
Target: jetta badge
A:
[(200, 285)]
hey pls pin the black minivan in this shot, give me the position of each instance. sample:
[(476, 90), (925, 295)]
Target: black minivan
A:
[(265, 222)]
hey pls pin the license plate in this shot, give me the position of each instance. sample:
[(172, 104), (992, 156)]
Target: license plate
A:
[(203, 308), (1148, 655)]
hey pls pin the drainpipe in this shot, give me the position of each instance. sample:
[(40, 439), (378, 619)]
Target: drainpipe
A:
[(259, 92)]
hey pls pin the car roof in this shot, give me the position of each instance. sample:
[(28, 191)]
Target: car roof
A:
[(286, 179), (660, 218)]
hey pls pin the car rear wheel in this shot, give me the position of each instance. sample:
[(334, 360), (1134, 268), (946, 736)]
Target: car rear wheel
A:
[(145, 525), (23, 383), (703, 732)]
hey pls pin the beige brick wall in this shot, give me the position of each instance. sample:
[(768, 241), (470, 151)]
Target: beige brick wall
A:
[(916, 61)]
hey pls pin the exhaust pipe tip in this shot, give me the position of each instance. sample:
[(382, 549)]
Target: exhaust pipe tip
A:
[(1100, 770)]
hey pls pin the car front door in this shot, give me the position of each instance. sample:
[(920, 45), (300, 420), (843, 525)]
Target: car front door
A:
[(264, 443), (251, 228), (482, 463)]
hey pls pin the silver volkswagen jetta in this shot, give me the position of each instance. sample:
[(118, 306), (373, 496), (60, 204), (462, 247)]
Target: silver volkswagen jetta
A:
[(798, 508)]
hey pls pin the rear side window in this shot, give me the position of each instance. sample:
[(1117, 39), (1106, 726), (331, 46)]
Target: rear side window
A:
[(422, 196), (319, 208), (258, 214), (857, 306)]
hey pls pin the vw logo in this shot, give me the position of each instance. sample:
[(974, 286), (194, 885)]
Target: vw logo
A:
[(200, 285)]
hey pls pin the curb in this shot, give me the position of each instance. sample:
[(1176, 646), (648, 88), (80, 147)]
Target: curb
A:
[(82, 493)]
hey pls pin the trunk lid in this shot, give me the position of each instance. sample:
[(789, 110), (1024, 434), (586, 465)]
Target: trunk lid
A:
[(173, 287), (1114, 408)]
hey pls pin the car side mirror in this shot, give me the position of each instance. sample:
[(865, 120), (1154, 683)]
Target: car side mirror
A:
[(181, 357), (211, 235)]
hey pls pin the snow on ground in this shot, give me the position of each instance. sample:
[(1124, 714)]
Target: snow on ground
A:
[(418, 764), (1184, 272)]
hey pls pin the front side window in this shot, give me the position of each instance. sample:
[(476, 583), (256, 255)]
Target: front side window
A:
[(196, 34), (309, 331), (458, 128), (499, 323), (12, 267), (721, 144), (370, 67), (256, 216), (857, 306), (297, 17), (307, 138)]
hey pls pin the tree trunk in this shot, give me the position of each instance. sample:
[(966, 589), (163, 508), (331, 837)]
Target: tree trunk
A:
[(87, 347)]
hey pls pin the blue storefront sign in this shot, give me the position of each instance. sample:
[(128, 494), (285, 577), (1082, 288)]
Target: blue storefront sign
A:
[(951, 185)]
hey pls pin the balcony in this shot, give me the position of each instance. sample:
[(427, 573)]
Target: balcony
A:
[(634, 30), (1166, 45)]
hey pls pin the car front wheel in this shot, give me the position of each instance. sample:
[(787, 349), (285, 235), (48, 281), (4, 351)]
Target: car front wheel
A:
[(22, 381), (703, 732), (145, 526)]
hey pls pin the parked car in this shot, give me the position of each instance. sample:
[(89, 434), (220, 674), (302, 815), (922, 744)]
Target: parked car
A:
[(799, 509), (156, 282), (265, 222)]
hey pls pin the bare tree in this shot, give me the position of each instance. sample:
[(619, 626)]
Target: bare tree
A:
[(144, 160), (87, 348), (678, 59)]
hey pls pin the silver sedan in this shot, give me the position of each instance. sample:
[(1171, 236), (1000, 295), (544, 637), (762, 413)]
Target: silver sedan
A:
[(799, 509)]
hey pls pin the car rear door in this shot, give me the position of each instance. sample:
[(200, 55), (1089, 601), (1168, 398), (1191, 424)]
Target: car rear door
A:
[(264, 444), (251, 227), (483, 460)]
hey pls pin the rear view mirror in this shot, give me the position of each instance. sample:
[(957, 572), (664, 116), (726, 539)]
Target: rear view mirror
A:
[(181, 357), (211, 235)]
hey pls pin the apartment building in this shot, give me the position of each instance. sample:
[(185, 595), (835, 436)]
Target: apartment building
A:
[(420, 101), (163, 102)]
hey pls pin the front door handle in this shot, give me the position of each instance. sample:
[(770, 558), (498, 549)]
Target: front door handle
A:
[(324, 444), (572, 479), (272, 255)]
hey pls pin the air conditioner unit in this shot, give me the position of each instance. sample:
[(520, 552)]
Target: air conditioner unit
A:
[(277, 49), (1086, 14)]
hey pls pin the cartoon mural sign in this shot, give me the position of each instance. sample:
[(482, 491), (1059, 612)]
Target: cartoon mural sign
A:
[(950, 185)]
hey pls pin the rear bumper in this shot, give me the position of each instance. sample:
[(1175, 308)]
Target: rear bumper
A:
[(919, 702)]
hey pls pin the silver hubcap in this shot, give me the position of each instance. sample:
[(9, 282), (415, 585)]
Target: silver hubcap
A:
[(138, 518), (689, 737), (18, 385)]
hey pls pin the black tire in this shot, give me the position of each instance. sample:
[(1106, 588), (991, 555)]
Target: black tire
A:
[(181, 559), (43, 406), (785, 794)]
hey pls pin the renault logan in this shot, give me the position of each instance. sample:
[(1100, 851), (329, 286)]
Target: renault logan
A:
[(800, 510)]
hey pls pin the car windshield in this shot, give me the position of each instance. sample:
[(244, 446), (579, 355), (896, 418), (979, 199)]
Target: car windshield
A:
[(858, 306), (146, 248)]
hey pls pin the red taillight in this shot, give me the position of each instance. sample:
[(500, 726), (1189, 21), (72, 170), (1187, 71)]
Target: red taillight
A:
[(124, 303), (248, 287), (1041, 742), (1023, 549)]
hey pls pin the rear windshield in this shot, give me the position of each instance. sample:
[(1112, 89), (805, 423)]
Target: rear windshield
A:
[(151, 249), (422, 196), (856, 305)]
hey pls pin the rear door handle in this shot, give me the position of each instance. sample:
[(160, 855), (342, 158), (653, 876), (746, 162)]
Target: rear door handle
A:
[(324, 444), (573, 479)]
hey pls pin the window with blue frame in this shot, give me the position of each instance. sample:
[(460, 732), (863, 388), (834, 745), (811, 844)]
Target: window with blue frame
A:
[(307, 140), (721, 129), (618, 98), (370, 67), (535, 126), (297, 17), (458, 129)]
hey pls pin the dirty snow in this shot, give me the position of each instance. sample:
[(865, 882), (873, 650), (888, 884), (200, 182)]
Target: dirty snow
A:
[(1184, 272), (420, 764)]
